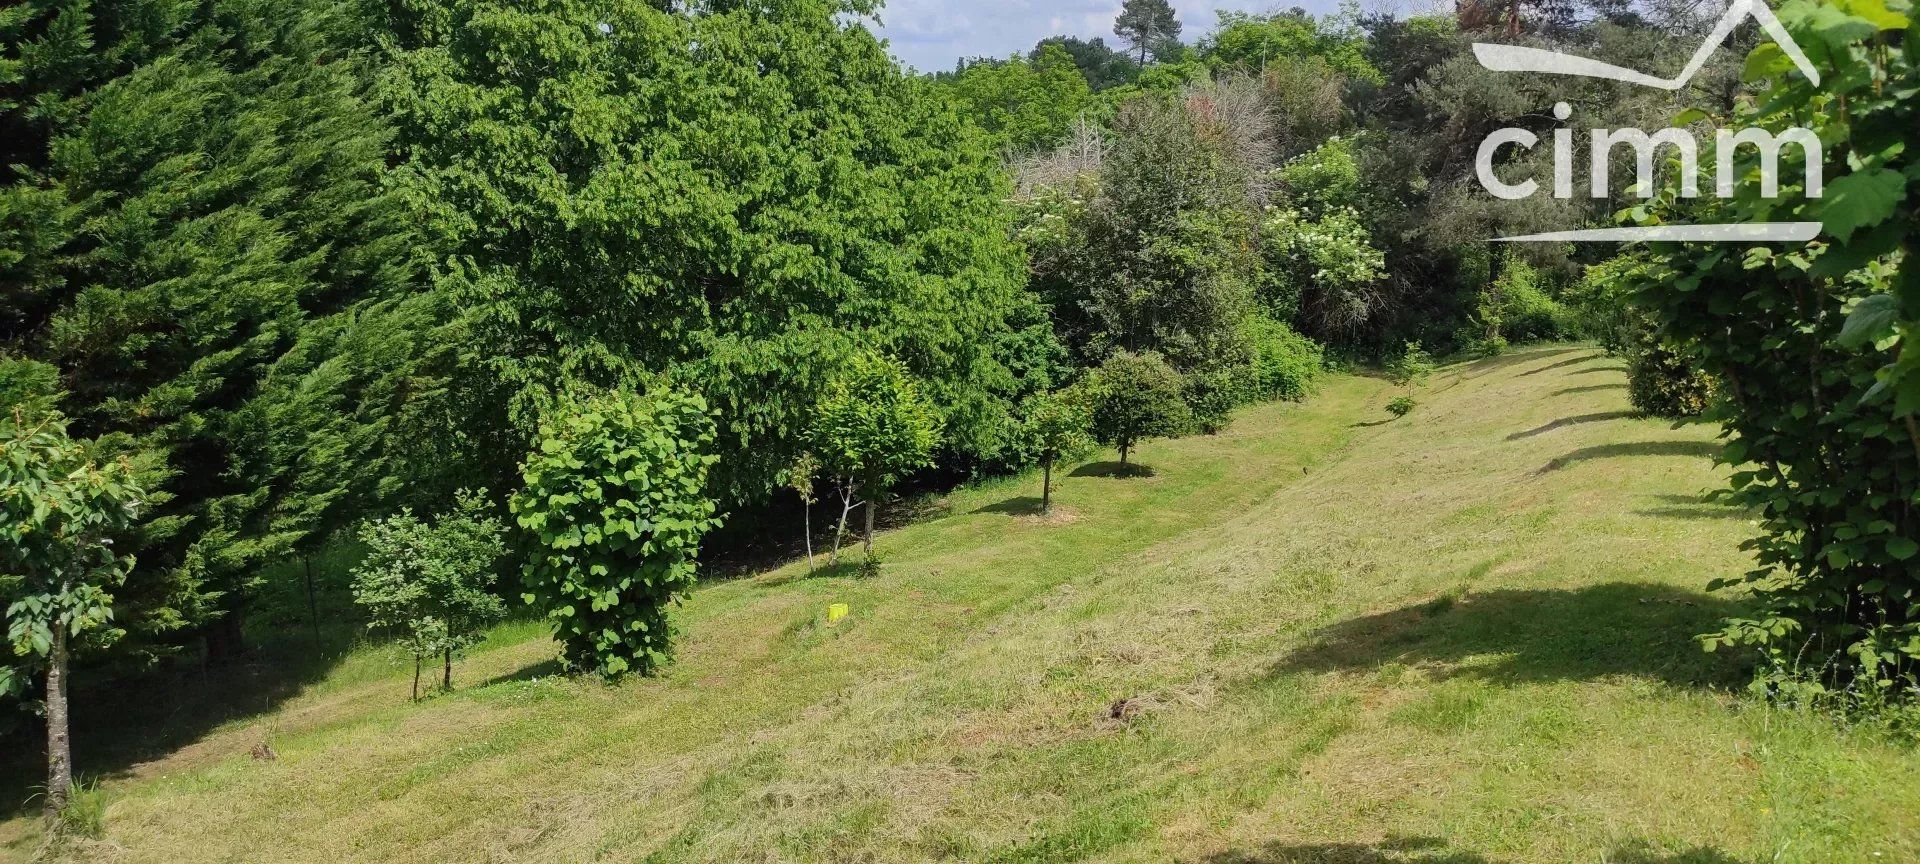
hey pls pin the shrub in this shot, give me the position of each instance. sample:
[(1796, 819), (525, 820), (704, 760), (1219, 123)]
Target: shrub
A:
[(1211, 395), (1135, 397), (615, 505), (432, 582), (1401, 406), (1520, 306), (1665, 383), (1285, 364)]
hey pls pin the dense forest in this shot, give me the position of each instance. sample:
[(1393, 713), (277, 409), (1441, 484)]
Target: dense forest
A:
[(287, 267)]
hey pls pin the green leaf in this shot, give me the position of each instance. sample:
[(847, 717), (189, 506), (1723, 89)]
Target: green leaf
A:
[(1765, 61), (1870, 319), (1901, 548), (1860, 199)]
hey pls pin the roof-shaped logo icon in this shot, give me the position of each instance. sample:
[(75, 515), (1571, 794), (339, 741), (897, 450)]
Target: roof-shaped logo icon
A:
[(1520, 58)]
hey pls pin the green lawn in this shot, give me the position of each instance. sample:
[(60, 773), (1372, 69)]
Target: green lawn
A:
[(1459, 637)]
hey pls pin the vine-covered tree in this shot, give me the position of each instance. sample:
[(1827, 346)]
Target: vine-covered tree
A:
[(615, 503), (62, 509)]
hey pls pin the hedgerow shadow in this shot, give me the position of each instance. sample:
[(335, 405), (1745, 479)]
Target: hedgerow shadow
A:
[(1619, 628), (1589, 388), (1697, 449), (1575, 420), (1570, 361), (1021, 505), (1393, 850)]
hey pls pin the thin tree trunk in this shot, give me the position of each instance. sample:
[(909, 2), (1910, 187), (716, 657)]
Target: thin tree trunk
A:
[(1123, 454), (313, 605), (1046, 487), (806, 523), (59, 746), (840, 530), (870, 505), (416, 677), (446, 675)]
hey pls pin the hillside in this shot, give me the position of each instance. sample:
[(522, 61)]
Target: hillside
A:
[(1321, 636)]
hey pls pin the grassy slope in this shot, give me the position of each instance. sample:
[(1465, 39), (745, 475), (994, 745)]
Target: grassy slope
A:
[(1459, 637)]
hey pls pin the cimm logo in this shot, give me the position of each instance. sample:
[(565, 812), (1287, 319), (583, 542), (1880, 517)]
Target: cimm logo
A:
[(1518, 58)]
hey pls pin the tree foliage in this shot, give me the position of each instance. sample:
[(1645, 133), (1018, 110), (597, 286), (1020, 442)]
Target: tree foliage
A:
[(1151, 27), (1133, 398), (432, 582), (871, 428), (615, 504), (1814, 347), (740, 218)]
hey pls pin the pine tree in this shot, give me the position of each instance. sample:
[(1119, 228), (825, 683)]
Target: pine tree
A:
[(1150, 26)]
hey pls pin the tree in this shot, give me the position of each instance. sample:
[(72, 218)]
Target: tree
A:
[(615, 504), (432, 582), (1053, 426), (1147, 25), (800, 478), (205, 247), (870, 429), (1025, 105), (61, 510), (1132, 398), (1102, 66), (738, 220)]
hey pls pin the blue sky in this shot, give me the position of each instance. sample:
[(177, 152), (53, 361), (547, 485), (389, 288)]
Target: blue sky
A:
[(930, 35)]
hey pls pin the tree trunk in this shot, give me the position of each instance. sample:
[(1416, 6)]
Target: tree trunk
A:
[(1046, 487), (1123, 454), (313, 605), (870, 505), (840, 530), (806, 524), (416, 677), (225, 639), (446, 675), (59, 746)]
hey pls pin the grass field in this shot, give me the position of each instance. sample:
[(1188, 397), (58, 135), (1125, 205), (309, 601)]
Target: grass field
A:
[(1459, 637)]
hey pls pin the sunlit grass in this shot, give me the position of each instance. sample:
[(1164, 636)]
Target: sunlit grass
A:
[(1460, 636)]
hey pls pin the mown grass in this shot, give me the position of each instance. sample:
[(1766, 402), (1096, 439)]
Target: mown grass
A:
[(1463, 636)]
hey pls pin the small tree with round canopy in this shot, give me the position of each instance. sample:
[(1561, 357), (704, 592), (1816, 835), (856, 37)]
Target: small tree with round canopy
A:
[(870, 429)]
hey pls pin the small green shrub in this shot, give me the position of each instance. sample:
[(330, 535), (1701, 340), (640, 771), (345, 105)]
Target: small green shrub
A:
[(1135, 397), (1665, 383), (1401, 406), (615, 504), (1411, 366), (1285, 364), (1211, 395)]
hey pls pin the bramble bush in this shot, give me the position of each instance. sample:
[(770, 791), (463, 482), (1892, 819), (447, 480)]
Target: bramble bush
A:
[(1816, 347), (615, 505)]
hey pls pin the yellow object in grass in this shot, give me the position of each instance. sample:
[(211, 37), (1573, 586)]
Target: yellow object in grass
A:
[(836, 612)]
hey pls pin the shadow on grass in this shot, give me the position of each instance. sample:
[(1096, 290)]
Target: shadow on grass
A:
[(1595, 370), (1570, 361), (119, 723), (1113, 469), (1590, 388), (1393, 850), (1696, 449), (1644, 853), (1575, 420), (1024, 505), (1619, 628), (547, 668), (1371, 424), (1698, 507)]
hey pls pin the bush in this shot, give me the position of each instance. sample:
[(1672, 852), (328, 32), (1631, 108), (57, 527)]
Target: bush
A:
[(1211, 395), (1401, 406), (615, 503), (1285, 364), (1600, 305), (1521, 307), (1664, 383)]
